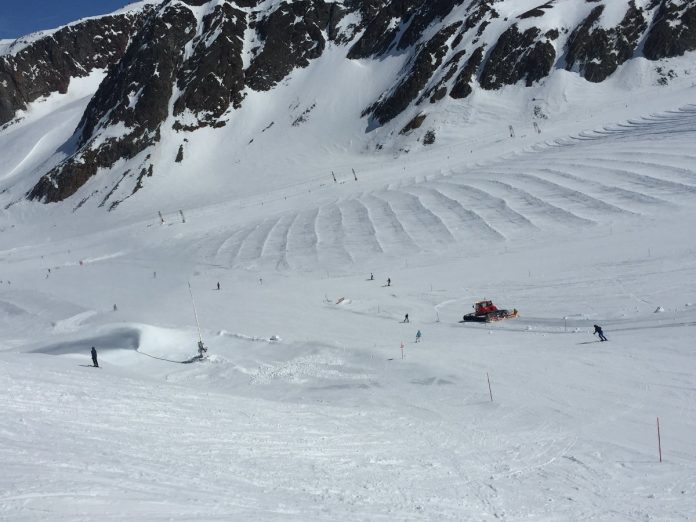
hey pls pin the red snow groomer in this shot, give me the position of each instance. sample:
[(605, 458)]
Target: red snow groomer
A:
[(486, 311)]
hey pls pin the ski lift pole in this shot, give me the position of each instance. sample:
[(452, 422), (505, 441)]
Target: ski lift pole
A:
[(201, 348)]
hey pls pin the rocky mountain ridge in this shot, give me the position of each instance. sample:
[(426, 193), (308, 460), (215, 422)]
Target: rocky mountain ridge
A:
[(189, 64)]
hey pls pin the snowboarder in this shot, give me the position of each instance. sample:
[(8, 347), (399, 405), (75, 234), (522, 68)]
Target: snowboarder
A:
[(388, 281), (94, 358), (598, 330), (406, 319), (218, 285), (418, 336)]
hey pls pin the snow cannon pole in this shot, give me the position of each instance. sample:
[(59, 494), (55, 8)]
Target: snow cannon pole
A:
[(659, 441), (195, 314), (490, 392)]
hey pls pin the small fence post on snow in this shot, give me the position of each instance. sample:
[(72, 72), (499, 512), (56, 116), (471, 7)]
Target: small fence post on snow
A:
[(490, 392)]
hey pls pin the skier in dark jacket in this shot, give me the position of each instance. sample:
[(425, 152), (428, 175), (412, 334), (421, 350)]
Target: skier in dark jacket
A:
[(94, 357), (598, 330)]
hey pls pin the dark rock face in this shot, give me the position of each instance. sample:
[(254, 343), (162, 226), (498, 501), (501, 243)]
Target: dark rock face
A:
[(537, 11), (674, 32), (462, 85), (518, 56), (596, 52), (414, 124), (424, 64), (382, 30), (431, 11), (46, 65), (291, 35), (477, 12), (125, 100), (213, 77), (439, 91)]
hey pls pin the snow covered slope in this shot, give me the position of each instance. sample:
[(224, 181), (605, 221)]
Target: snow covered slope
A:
[(571, 201), (328, 422), (225, 81)]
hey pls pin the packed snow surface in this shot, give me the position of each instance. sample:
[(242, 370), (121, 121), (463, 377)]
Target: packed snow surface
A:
[(315, 402)]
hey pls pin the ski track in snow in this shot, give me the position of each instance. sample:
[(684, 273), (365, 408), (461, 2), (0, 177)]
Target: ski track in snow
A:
[(431, 212)]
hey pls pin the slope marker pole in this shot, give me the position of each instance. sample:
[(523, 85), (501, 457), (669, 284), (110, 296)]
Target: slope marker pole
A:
[(490, 392), (659, 441)]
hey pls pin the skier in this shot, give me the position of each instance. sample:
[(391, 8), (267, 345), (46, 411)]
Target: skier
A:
[(418, 336), (388, 281), (218, 285), (598, 330), (94, 358), (372, 277), (406, 319)]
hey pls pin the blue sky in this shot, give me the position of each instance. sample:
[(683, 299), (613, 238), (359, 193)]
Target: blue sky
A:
[(20, 17)]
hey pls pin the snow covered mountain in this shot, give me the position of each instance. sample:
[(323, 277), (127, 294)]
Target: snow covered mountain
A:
[(182, 66), (537, 154)]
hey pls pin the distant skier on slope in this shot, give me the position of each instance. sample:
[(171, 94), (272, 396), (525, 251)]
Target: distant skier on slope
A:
[(218, 285), (598, 330), (418, 336), (388, 281), (406, 319), (372, 276), (94, 358)]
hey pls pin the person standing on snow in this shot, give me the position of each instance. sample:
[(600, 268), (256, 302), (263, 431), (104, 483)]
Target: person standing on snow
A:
[(598, 330), (218, 285), (372, 277), (418, 336), (388, 281), (94, 358), (406, 319)]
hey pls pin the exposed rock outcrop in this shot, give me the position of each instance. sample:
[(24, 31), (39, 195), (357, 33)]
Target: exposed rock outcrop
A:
[(47, 64), (674, 31), (462, 85), (292, 35), (597, 52), (124, 116), (517, 56), (426, 61), (212, 78)]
